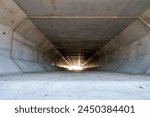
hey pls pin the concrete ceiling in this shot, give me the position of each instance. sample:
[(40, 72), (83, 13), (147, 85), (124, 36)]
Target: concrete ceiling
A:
[(83, 36), (84, 7), (77, 36)]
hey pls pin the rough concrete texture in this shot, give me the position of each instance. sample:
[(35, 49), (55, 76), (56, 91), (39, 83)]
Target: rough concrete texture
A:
[(127, 52), (121, 44), (27, 66), (75, 37), (8, 66), (22, 42), (84, 7), (148, 71), (65, 85)]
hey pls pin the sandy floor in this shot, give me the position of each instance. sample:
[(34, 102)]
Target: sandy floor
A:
[(67, 85)]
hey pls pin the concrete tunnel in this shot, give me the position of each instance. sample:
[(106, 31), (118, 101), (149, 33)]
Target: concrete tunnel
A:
[(44, 36)]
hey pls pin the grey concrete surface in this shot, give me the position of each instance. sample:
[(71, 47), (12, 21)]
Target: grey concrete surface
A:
[(69, 85), (74, 37), (21, 41), (128, 51), (111, 44), (84, 7)]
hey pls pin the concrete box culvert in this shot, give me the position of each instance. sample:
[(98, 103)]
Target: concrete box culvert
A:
[(99, 36)]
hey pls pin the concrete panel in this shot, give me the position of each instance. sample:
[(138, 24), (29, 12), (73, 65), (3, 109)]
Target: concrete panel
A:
[(103, 62), (135, 8), (17, 50), (10, 14), (45, 46), (7, 66), (29, 53), (21, 39), (138, 31), (137, 48), (84, 7), (5, 52), (139, 65), (114, 61), (26, 66), (22, 51), (43, 59), (36, 7), (30, 32), (110, 47), (5, 37)]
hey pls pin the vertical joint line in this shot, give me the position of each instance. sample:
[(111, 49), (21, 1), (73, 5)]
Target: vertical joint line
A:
[(11, 48), (12, 35), (120, 49), (38, 55)]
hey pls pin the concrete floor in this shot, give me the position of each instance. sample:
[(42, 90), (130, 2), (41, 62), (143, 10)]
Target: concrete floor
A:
[(67, 85)]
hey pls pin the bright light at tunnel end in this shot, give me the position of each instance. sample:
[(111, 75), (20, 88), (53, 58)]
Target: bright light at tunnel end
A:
[(74, 68)]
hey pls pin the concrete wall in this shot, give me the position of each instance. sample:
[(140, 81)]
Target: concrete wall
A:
[(23, 48), (128, 52), (6, 64)]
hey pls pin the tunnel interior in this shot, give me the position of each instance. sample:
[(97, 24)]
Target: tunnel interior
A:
[(49, 35)]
